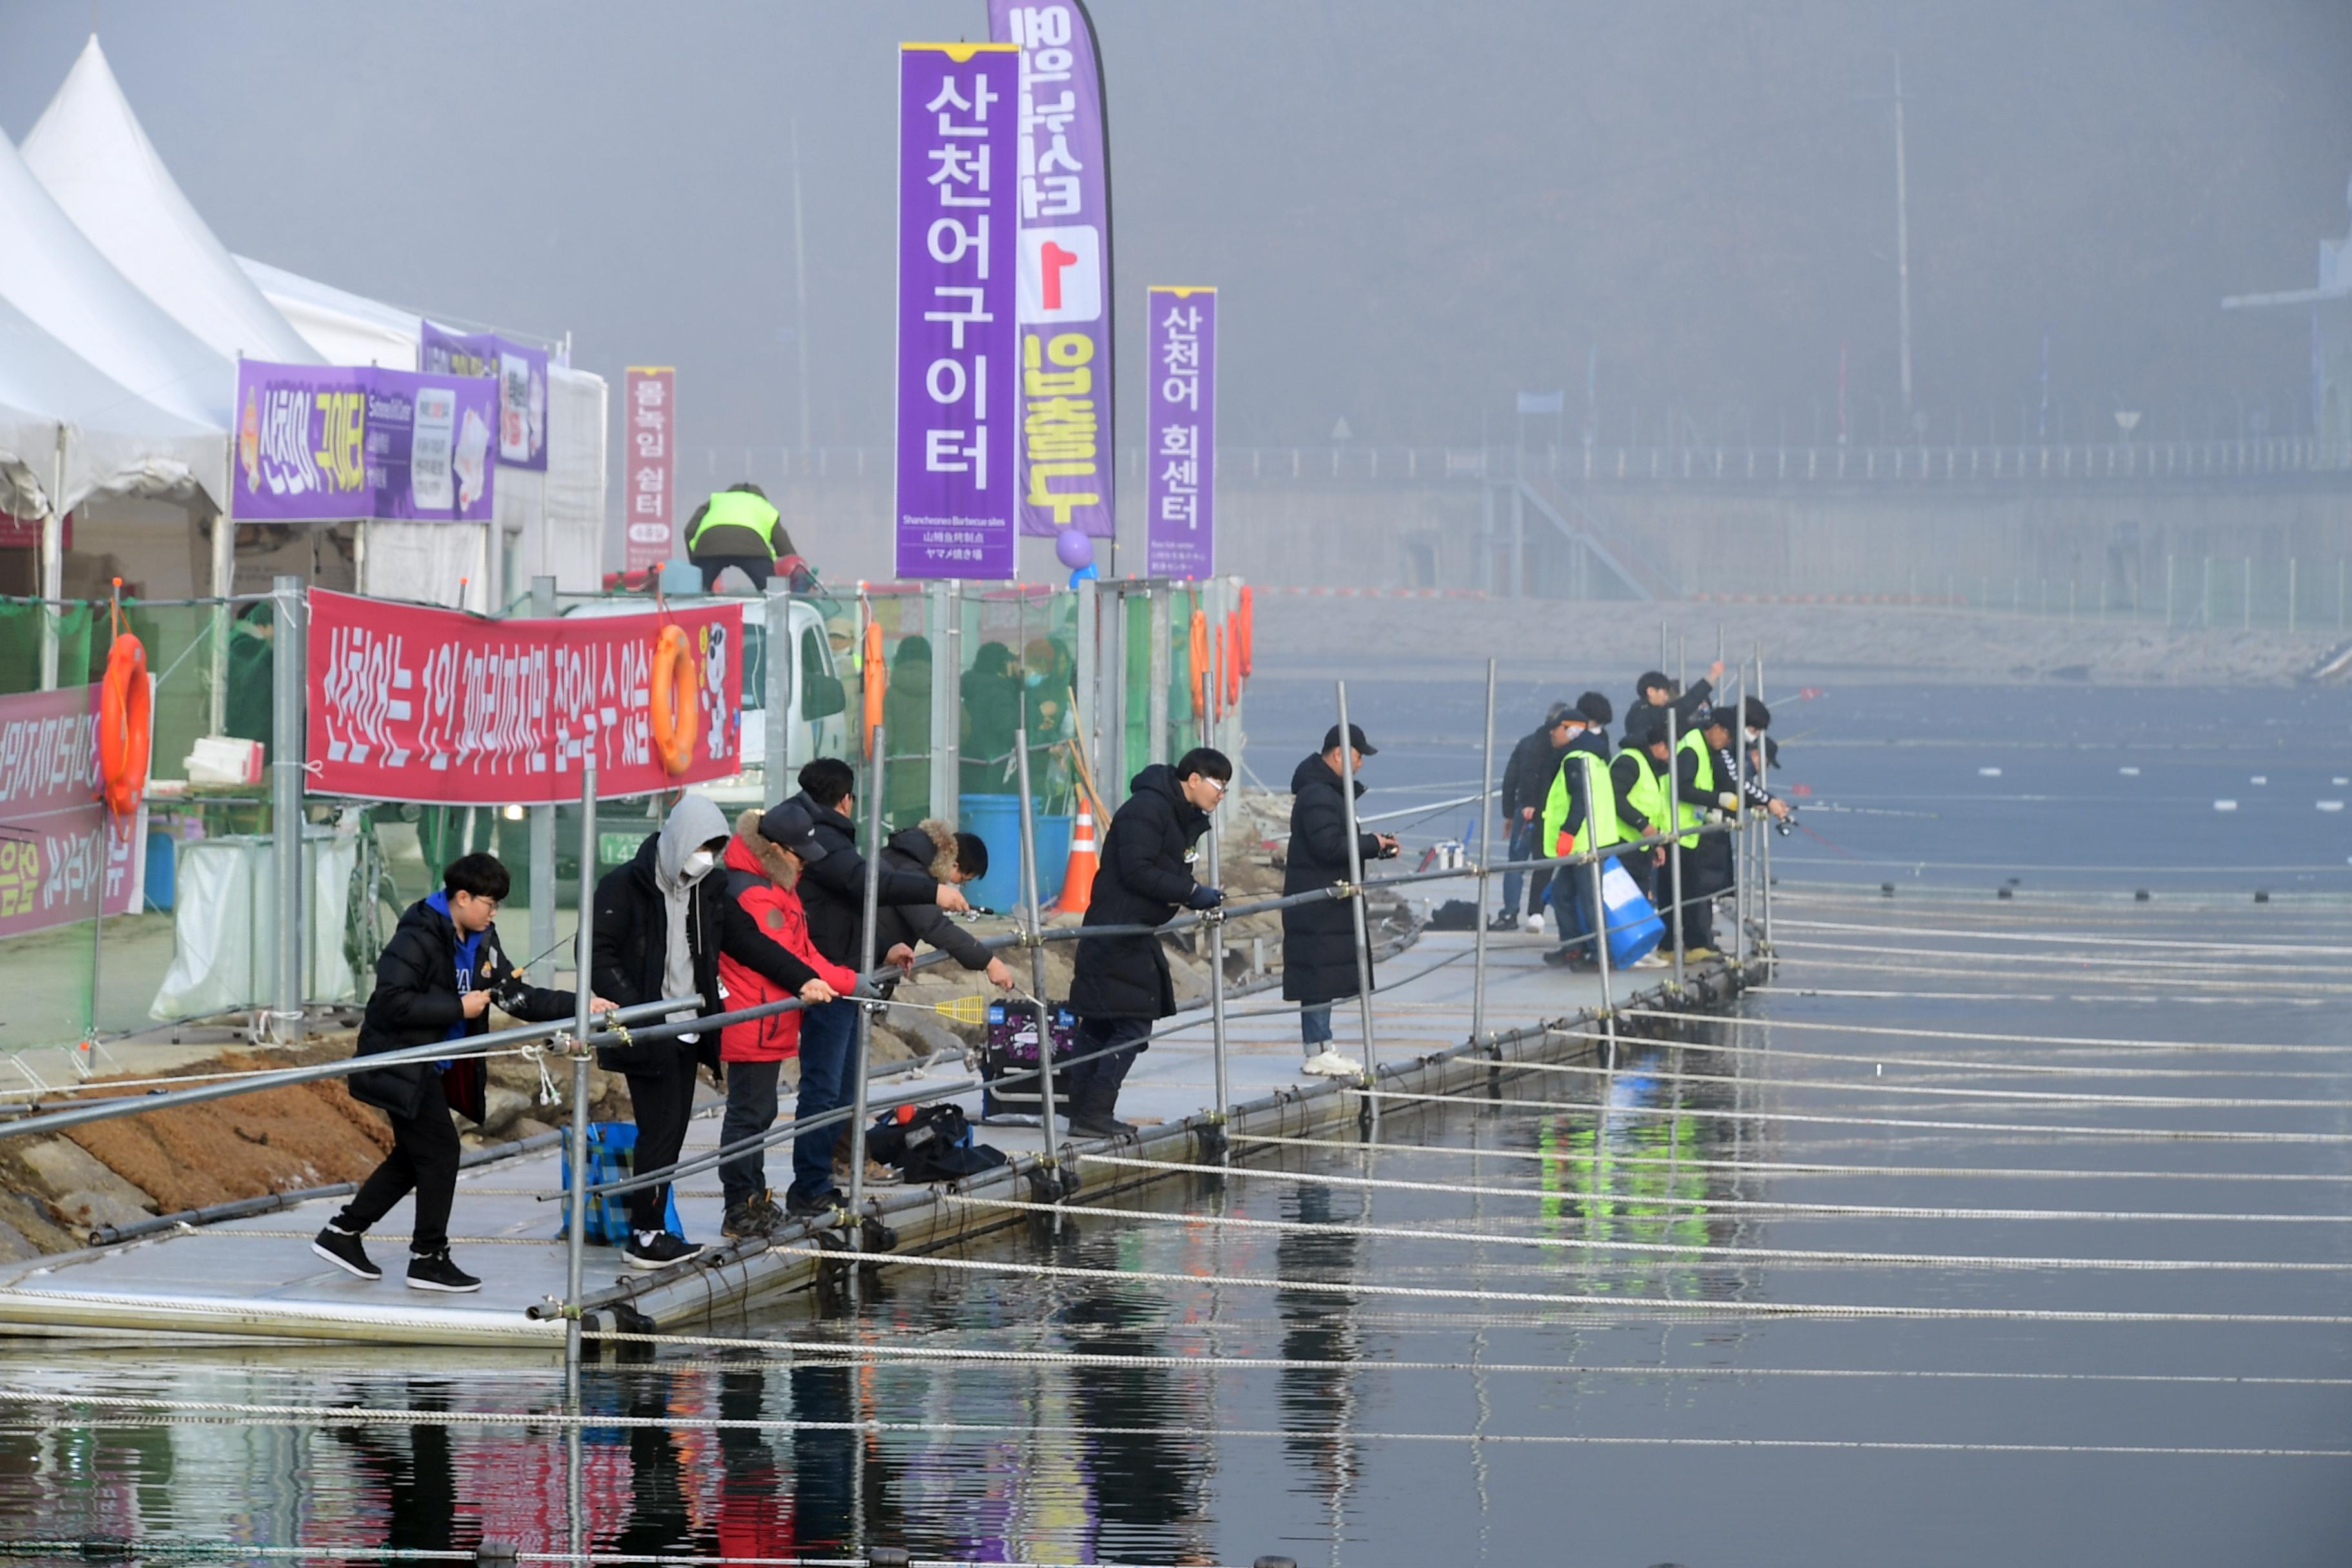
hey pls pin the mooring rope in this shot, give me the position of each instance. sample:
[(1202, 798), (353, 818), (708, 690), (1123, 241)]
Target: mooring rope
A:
[(2096, 1042), (2262, 949), (1964, 1067)]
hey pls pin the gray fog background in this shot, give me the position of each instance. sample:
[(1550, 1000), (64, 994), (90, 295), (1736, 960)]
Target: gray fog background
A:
[(1414, 210)]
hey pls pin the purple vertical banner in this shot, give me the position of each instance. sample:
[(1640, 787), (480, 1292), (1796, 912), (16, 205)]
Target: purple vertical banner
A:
[(1065, 272), (958, 389), (1180, 470)]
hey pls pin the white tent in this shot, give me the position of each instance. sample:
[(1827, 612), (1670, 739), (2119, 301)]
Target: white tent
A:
[(52, 273), (342, 327), (113, 443), (88, 150)]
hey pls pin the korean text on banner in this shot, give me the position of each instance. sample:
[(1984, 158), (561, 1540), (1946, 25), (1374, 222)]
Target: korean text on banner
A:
[(327, 443), (649, 465), (1180, 466), (1066, 268), (447, 709), (521, 372), (957, 391), (58, 843)]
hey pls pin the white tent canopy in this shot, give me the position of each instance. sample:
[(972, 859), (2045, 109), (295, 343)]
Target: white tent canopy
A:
[(53, 275), (113, 443), (342, 328), (88, 150)]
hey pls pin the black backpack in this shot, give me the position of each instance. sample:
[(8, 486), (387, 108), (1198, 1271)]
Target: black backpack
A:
[(929, 1144)]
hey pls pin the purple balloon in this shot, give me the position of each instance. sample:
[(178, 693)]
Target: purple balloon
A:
[(1073, 549)]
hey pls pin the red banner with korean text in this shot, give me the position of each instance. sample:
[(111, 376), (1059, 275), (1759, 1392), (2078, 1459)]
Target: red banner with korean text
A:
[(442, 708), (649, 466), (60, 846)]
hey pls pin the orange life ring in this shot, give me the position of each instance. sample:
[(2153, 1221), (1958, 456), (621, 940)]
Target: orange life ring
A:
[(878, 677), (1200, 674), (1232, 660), (676, 683), (1249, 632), (125, 725)]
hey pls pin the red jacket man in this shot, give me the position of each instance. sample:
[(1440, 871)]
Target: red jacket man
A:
[(763, 863)]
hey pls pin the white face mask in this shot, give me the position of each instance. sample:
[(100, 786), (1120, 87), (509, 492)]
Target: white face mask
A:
[(1754, 736), (697, 864)]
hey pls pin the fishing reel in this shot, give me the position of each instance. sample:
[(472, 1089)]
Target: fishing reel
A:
[(1785, 825)]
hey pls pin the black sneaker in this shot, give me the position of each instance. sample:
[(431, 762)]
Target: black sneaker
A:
[(342, 1249), (752, 1217), (434, 1271), (1507, 920), (798, 1207), (662, 1251), (1099, 1125)]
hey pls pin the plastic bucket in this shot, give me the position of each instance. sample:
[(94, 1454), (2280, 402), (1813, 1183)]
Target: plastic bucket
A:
[(996, 819), (611, 1157)]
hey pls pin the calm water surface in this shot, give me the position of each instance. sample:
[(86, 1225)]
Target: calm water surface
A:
[(1638, 1428)]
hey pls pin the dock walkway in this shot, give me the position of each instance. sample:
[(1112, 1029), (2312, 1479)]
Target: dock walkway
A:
[(257, 1278)]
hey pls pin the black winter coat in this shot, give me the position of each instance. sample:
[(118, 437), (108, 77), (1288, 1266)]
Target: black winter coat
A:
[(832, 890), (1688, 710), (630, 944), (1143, 880), (1318, 938), (416, 1001), (1528, 777), (916, 850)]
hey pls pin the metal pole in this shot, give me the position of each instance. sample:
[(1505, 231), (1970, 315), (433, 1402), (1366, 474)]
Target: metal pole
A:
[(1084, 694), (864, 1035), (542, 843), (946, 711), (1486, 855), (779, 653), (1356, 899), (575, 1230), (1675, 844), (224, 542), (53, 564), (1763, 837), (1029, 902), (1216, 921), (1155, 699), (1740, 818), (1600, 935), (1116, 766), (286, 800)]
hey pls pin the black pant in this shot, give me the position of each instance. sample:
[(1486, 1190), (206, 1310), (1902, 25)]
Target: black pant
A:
[(423, 1160), (1094, 1085), (661, 1100), (758, 568), (1707, 871), (751, 1110)]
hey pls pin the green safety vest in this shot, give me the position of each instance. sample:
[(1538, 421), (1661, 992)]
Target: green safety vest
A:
[(737, 508), (1646, 799), (1685, 814), (1601, 827)]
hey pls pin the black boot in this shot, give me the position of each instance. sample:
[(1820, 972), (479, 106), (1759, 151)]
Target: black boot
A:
[(1095, 1092)]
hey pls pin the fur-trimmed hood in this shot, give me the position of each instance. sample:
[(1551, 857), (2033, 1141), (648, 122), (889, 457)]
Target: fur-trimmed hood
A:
[(754, 851), (930, 843)]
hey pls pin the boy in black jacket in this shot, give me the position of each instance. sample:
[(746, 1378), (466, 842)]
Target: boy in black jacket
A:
[(434, 982)]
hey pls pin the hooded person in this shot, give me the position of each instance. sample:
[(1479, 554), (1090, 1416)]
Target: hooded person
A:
[(936, 850), (1121, 984), (661, 923), (1318, 938), (433, 981), (763, 866)]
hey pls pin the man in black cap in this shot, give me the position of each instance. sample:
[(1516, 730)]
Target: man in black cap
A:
[(1653, 694), (1534, 761), (1318, 938)]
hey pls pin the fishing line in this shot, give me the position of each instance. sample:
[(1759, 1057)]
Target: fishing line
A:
[(2263, 949), (1681, 1251), (2167, 965), (1790, 1167), (1739, 1205), (1960, 1066)]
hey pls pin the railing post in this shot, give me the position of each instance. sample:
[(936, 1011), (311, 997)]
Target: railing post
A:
[(1675, 844), (864, 1037), (782, 654), (1355, 881), (1739, 824), (1600, 944), (1764, 837), (1029, 903), (575, 1230), (1216, 923), (1160, 596), (542, 841), (1486, 858), (286, 799)]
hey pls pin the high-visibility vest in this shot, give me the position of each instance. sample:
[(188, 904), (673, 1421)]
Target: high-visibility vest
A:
[(1646, 799), (1685, 814), (1600, 829), (737, 508)]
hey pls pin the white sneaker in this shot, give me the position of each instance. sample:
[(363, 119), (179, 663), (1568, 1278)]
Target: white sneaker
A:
[(1652, 959), (1533, 925), (1331, 1064)]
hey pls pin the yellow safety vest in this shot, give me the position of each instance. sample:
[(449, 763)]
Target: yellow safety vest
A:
[(1600, 829), (737, 508), (1646, 799), (1685, 814)]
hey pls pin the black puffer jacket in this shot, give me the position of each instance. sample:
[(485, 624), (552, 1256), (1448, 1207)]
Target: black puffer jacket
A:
[(1529, 772), (1318, 938), (416, 1001), (629, 944), (927, 850), (1688, 709), (832, 890), (1144, 879)]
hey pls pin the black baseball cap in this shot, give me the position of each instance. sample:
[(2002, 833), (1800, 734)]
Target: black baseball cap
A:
[(1356, 741), (790, 825)]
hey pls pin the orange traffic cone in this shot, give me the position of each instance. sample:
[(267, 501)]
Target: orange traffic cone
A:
[(1078, 881)]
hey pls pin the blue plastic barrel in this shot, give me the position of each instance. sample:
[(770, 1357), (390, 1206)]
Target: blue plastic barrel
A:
[(162, 858), (996, 819)]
